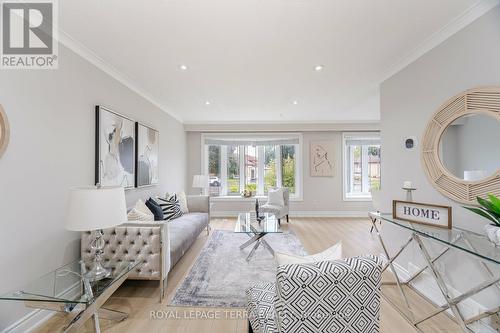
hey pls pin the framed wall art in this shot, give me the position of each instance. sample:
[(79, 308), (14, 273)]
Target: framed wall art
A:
[(147, 152), (321, 159), (115, 149)]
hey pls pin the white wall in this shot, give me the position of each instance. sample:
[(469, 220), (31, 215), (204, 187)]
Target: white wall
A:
[(469, 59), (321, 195), (51, 115)]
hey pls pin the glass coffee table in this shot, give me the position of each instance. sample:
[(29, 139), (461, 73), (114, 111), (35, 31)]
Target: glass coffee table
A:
[(66, 290), (248, 224)]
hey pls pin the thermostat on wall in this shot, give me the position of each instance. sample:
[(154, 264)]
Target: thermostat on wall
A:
[(410, 143)]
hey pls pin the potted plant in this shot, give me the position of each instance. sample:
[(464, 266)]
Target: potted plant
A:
[(489, 209)]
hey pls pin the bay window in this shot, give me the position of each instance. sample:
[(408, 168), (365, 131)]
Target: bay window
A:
[(255, 163), (361, 165)]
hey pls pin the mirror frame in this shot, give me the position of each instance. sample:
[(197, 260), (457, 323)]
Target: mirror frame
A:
[(5, 130), (474, 101)]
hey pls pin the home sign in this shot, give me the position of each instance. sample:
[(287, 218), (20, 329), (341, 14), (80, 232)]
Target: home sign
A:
[(433, 215)]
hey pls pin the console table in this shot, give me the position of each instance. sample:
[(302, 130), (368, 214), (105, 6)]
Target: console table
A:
[(66, 290), (468, 243)]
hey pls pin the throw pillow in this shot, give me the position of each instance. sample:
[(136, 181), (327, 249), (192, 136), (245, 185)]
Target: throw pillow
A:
[(137, 215), (182, 202), (141, 207), (155, 209), (332, 253), (170, 207), (275, 198)]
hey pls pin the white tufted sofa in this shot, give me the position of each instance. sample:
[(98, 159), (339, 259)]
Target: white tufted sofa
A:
[(150, 242)]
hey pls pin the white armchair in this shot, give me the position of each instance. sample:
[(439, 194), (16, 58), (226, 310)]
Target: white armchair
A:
[(280, 211)]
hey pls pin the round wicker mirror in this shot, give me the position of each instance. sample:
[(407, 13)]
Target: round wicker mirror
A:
[(463, 185), (4, 131)]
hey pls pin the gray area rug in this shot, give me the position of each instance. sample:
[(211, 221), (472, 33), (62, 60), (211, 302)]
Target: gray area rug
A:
[(220, 275)]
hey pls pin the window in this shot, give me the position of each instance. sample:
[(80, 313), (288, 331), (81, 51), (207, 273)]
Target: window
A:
[(288, 167), (361, 165), (252, 162), (269, 167), (214, 170), (233, 170)]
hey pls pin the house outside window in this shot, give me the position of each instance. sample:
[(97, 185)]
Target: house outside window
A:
[(362, 162), (254, 162)]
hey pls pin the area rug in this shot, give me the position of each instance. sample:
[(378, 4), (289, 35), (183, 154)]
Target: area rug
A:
[(221, 274)]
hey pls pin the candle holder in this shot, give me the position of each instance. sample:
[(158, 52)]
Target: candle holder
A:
[(409, 193)]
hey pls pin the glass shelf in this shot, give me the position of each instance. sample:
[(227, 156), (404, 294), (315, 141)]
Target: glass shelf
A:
[(464, 240), (65, 284)]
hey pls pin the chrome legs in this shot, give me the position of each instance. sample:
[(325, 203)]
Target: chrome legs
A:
[(441, 284), (258, 239), (451, 302), (390, 263)]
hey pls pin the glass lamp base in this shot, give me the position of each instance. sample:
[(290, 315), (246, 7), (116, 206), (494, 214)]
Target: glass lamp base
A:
[(97, 272)]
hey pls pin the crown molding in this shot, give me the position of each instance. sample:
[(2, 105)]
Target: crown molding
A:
[(89, 55), (299, 126), (458, 23)]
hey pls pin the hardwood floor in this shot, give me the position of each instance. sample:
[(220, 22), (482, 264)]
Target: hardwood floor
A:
[(140, 298)]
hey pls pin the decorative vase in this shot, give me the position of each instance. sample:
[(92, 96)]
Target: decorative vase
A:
[(493, 233)]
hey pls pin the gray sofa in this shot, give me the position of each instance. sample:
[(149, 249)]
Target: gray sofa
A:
[(158, 245)]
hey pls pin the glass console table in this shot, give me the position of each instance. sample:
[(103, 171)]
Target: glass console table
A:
[(66, 290), (468, 243)]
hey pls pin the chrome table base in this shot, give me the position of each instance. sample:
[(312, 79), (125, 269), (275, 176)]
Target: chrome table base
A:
[(258, 239), (451, 302)]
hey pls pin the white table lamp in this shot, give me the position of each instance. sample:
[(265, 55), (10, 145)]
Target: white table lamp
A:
[(201, 182), (93, 209)]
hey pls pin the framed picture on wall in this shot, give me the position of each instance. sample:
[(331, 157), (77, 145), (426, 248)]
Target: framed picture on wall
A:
[(321, 159), (147, 150), (115, 149)]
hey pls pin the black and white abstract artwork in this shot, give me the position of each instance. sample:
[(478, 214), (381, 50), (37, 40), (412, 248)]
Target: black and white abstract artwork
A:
[(148, 148), (115, 149), (321, 159)]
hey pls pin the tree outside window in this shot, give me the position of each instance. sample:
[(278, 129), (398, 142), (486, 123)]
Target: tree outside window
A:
[(257, 168), (214, 170), (288, 167)]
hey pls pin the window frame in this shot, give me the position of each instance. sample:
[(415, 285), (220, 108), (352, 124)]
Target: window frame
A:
[(345, 169), (297, 196)]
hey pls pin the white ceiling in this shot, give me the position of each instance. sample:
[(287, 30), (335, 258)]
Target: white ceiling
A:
[(252, 58)]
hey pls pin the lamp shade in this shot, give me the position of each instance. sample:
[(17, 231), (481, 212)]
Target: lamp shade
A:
[(92, 208), (200, 181)]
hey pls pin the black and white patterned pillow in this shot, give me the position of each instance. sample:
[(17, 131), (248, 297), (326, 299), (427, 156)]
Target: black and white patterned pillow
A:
[(170, 206)]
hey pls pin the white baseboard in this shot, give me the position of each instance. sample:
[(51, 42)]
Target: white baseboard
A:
[(37, 317), (301, 214), (428, 287), (29, 322)]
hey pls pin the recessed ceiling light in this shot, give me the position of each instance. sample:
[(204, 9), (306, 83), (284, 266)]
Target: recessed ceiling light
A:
[(207, 103), (318, 68), (183, 67), (295, 102)]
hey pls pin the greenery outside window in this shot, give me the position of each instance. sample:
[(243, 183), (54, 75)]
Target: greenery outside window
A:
[(255, 163)]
